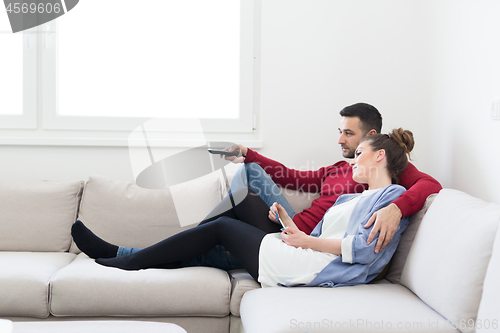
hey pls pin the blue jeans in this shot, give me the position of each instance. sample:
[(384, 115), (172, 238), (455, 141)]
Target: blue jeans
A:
[(251, 176)]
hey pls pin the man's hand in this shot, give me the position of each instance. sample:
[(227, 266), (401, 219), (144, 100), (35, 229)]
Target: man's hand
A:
[(386, 221), (242, 150)]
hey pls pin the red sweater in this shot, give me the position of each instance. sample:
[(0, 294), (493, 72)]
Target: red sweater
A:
[(335, 180)]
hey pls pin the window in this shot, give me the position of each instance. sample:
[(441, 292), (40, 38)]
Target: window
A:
[(18, 77), (113, 65)]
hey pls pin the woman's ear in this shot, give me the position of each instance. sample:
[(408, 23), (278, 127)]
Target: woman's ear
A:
[(380, 155)]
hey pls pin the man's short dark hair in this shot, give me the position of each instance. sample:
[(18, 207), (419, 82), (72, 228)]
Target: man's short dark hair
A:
[(368, 115)]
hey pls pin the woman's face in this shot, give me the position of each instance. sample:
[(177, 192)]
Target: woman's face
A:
[(363, 165)]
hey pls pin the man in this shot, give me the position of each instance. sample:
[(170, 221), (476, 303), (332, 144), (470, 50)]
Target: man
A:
[(261, 174)]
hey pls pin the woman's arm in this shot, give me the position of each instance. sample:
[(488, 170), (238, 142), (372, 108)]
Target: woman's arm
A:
[(296, 238), (292, 236)]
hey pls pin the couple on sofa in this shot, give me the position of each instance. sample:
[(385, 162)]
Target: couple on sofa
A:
[(342, 239)]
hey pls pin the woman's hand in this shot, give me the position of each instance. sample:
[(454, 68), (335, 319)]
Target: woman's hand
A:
[(277, 210), (294, 237)]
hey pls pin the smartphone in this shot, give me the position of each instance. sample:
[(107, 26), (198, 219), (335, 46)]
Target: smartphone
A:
[(283, 224), (223, 152)]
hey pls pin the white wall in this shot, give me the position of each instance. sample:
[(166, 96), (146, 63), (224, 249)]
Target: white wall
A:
[(465, 79), (431, 66), (319, 56)]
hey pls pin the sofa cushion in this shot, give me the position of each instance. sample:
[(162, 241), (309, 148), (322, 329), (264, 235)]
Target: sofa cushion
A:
[(24, 282), (374, 308), (399, 258), (447, 262), (299, 200), (488, 318), (37, 215), (85, 288), (125, 214)]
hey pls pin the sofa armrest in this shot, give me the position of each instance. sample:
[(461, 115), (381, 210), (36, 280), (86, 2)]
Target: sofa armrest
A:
[(241, 282)]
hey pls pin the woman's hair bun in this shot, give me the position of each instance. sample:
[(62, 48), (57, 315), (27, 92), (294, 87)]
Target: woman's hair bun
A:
[(404, 138)]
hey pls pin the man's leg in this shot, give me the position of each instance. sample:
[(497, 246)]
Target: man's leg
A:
[(253, 177)]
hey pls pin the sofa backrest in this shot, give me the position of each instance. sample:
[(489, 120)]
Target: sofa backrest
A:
[(447, 263), (37, 215), (125, 214)]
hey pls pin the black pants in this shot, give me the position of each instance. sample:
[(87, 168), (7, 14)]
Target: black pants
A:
[(251, 210), (240, 230)]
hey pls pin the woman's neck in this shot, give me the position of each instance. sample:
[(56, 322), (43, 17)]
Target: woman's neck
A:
[(381, 180)]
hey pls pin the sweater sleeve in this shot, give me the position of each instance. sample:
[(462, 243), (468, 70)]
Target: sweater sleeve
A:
[(419, 186), (307, 181)]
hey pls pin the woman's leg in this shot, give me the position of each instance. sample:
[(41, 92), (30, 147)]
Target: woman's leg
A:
[(243, 240), (252, 210), (90, 244)]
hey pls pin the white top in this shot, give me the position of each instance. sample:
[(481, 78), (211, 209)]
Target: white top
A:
[(281, 263)]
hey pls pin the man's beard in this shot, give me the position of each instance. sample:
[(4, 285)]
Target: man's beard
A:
[(349, 153)]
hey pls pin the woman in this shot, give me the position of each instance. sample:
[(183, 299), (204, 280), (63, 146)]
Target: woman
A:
[(336, 252)]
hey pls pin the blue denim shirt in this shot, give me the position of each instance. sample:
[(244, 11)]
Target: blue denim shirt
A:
[(366, 264)]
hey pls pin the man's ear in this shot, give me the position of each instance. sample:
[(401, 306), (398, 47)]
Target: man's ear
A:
[(371, 132)]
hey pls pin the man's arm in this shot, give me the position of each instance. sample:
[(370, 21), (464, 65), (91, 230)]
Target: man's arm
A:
[(305, 181), (419, 186), (287, 177), (281, 175)]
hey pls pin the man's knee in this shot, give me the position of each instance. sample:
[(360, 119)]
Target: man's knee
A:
[(240, 191), (245, 174), (254, 169)]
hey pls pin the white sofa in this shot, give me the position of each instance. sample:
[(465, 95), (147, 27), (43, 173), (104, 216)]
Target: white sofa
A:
[(44, 277), (443, 278)]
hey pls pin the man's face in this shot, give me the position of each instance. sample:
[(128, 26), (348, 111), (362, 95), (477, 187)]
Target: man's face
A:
[(350, 135)]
